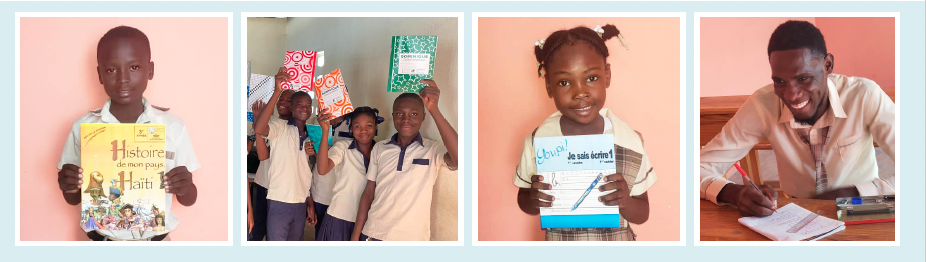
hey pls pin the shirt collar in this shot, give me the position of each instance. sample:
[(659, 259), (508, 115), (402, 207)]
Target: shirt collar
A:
[(827, 119), (145, 117), (395, 140), (353, 144), (302, 135)]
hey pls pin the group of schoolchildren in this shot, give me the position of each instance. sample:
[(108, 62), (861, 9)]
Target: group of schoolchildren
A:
[(355, 189)]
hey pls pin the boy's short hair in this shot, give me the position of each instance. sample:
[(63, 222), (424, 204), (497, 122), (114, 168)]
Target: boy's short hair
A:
[(794, 34), (124, 32), (300, 94), (414, 96)]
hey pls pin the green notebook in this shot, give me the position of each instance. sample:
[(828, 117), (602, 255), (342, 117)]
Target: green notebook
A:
[(411, 59)]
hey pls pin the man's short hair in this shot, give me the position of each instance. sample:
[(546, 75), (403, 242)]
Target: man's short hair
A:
[(793, 35)]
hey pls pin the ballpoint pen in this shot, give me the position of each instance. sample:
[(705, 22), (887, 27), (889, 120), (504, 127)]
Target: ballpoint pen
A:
[(589, 190), (746, 178)]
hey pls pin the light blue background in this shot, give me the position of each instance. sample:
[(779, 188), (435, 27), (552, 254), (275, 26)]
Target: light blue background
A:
[(910, 93)]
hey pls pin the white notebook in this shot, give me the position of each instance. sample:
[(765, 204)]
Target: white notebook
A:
[(793, 223)]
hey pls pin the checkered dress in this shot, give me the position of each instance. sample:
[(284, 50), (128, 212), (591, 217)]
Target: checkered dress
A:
[(628, 163)]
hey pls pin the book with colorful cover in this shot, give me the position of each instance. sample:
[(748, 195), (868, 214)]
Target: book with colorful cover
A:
[(123, 185), (574, 166), (301, 68), (411, 60), (332, 94), (260, 89)]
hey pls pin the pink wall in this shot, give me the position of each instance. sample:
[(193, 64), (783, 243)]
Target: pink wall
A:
[(59, 84), (644, 93), (734, 59), (862, 46)]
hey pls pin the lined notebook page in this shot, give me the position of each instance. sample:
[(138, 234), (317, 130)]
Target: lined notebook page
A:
[(804, 224)]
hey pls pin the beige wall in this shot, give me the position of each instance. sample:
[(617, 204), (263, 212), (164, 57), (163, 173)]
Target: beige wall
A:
[(266, 44), (266, 40)]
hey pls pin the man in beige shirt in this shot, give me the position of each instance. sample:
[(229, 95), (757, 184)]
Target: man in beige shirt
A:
[(820, 125)]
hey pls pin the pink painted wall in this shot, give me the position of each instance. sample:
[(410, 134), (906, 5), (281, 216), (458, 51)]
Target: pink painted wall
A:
[(59, 84), (644, 93), (862, 46), (734, 59)]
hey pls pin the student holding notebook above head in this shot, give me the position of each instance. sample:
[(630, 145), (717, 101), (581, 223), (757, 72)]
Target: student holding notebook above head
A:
[(396, 202), (820, 125), (289, 204)]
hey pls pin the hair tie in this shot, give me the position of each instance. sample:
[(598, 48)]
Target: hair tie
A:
[(599, 30), (539, 43)]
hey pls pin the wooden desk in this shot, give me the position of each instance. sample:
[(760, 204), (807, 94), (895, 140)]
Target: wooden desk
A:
[(716, 111), (719, 223)]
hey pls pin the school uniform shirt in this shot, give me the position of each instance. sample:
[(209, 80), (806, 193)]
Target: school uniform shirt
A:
[(322, 186), (859, 112), (178, 145), (290, 177), (261, 176), (404, 177), (351, 179), (630, 160)]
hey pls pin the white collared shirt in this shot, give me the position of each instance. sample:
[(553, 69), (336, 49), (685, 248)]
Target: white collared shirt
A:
[(178, 144), (261, 177), (401, 208), (350, 173), (859, 112), (323, 186), (290, 177)]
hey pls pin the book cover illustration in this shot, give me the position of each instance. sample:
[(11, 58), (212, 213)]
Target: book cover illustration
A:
[(123, 185), (411, 59), (332, 94), (260, 88), (574, 167), (301, 68)]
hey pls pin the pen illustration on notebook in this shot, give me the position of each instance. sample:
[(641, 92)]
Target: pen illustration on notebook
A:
[(574, 166)]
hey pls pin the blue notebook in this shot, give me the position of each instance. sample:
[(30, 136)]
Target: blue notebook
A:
[(315, 135), (574, 167)]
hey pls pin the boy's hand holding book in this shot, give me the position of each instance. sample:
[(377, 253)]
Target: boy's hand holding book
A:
[(324, 119), (430, 94), (258, 106), (280, 77), (69, 178), (178, 181), (309, 148)]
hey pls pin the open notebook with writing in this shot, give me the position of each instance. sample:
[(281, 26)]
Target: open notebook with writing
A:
[(793, 223)]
